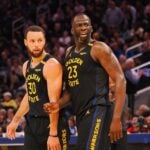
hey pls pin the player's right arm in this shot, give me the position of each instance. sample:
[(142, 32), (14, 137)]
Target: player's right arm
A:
[(22, 110)]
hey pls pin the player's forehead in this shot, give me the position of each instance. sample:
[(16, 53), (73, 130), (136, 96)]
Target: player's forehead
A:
[(34, 35), (81, 18)]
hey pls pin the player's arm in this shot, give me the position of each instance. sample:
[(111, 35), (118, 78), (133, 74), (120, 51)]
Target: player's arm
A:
[(104, 55), (111, 90), (63, 101), (22, 110), (53, 74)]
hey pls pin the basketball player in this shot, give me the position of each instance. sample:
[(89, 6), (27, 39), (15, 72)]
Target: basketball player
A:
[(43, 76), (88, 65)]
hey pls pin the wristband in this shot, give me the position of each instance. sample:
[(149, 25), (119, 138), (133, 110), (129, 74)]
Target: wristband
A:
[(53, 135)]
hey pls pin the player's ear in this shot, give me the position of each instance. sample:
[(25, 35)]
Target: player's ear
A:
[(91, 29), (25, 42), (72, 32)]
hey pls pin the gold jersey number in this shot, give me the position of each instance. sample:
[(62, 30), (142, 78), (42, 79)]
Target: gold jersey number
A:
[(31, 88), (72, 72)]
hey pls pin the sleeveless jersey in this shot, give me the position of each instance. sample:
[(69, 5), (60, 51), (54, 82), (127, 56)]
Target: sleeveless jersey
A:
[(36, 88), (86, 80)]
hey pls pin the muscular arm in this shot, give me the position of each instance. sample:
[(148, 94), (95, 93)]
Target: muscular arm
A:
[(103, 54), (63, 101), (53, 74)]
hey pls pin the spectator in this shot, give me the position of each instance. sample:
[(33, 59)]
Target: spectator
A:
[(72, 126), (135, 126), (8, 102), (113, 16)]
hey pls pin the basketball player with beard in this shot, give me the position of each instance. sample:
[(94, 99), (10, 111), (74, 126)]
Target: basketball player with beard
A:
[(87, 68), (43, 75)]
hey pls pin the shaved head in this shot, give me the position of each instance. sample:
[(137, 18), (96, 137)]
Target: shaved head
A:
[(78, 15)]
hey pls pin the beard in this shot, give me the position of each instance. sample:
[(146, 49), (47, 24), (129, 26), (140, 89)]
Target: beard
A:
[(84, 39), (35, 54)]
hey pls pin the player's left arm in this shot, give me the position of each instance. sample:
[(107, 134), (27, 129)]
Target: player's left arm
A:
[(53, 74), (104, 55)]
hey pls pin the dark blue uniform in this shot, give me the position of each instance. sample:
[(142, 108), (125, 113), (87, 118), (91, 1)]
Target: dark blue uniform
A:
[(37, 129), (87, 81)]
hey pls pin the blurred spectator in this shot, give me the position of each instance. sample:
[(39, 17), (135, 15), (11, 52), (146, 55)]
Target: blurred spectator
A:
[(129, 13), (145, 48), (72, 126), (7, 101), (132, 79), (3, 119), (65, 40), (113, 16), (10, 114), (146, 125), (135, 126), (142, 109)]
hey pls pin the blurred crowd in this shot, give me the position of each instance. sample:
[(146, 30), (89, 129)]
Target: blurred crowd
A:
[(123, 24)]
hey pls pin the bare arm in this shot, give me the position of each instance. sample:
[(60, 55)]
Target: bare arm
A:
[(103, 54), (53, 73), (64, 100), (22, 110)]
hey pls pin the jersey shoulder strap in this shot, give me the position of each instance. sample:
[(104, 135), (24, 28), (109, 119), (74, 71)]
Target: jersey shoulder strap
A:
[(28, 66), (69, 50), (47, 56)]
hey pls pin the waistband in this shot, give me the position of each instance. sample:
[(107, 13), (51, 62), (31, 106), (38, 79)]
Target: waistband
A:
[(38, 116)]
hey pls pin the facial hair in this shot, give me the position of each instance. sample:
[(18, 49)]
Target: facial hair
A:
[(84, 40), (35, 55)]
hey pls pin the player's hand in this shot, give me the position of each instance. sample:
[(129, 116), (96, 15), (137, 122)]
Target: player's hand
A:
[(11, 130), (53, 143), (115, 132), (51, 107)]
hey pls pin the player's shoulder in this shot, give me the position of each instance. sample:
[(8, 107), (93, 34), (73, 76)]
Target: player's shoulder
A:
[(100, 45), (53, 62), (100, 50)]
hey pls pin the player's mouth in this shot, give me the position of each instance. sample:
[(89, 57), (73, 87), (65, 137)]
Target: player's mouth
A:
[(83, 35)]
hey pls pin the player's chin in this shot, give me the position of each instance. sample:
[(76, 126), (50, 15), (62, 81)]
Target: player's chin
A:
[(83, 38), (37, 54)]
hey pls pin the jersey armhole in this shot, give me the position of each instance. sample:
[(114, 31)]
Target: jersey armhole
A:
[(69, 50)]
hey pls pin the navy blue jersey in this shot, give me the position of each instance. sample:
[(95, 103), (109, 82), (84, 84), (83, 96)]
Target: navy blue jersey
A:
[(37, 88), (86, 80)]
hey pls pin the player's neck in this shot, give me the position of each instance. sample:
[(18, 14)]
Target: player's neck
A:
[(81, 45), (38, 59)]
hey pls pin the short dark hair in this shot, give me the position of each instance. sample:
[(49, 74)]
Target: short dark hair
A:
[(33, 28), (80, 14)]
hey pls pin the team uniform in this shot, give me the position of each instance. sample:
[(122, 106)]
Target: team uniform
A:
[(87, 82), (37, 128)]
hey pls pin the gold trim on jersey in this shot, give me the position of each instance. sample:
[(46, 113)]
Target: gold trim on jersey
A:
[(42, 62), (90, 44)]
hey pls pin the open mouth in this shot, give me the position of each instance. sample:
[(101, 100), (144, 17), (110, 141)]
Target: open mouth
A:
[(83, 35)]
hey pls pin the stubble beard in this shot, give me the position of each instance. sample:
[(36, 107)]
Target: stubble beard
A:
[(35, 55), (84, 40)]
